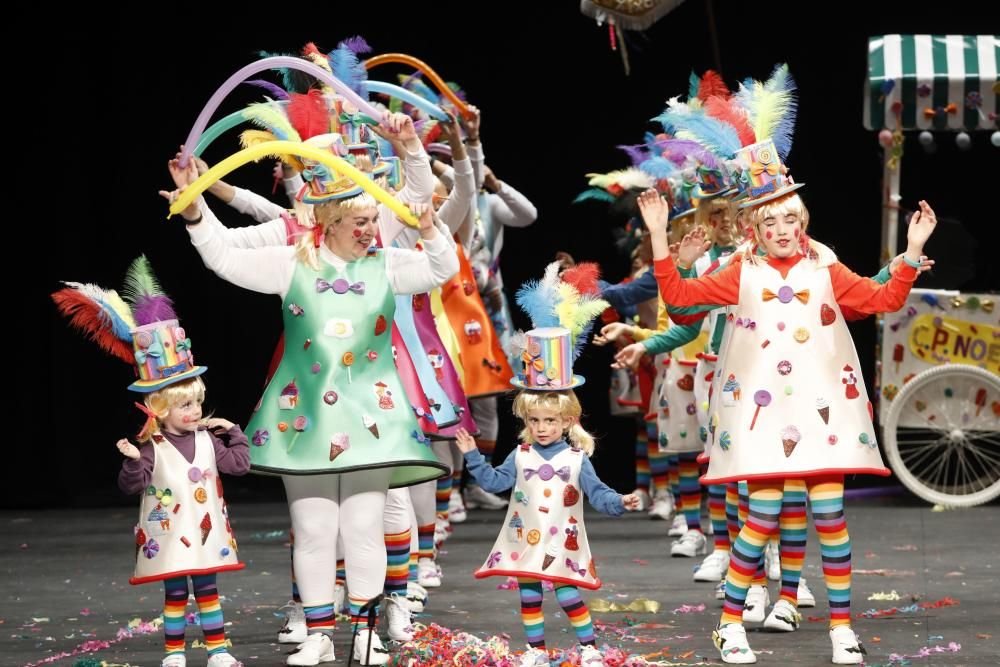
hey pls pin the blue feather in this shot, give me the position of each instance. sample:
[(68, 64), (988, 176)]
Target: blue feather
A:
[(693, 83), (417, 85), (537, 304), (659, 167), (719, 137), (594, 194), (781, 81), (346, 67), (580, 344)]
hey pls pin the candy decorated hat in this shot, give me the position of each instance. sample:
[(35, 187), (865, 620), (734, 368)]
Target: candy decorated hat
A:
[(141, 329), (562, 315)]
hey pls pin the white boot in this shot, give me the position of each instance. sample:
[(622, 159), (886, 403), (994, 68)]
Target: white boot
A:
[(534, 657), (372, 653), (689, 545), (590, 656), (416, 597), (294, 631), (174, 660), (772, 561), (783, 617), (714, 567), (847, 650), (315, 649), (223, 660), (456, 508), (428, 575), (339, 599), (663, 506), (805, 596), (478, 498), (731, 640), (397, 614), (755, 606), (678, 526)]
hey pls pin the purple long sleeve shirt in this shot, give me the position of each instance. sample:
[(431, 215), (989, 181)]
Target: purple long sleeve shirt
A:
[(232, 458)]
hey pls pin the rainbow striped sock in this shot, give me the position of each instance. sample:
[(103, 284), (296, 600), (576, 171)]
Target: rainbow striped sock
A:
[(531, 611), (748, 551), (206, 595), (397, 570), (175, 597), (577, 611)]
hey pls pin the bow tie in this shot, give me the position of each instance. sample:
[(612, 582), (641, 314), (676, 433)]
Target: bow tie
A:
[(547, 472), (757, 168), (340, 286), (786, 294), (574, 566)]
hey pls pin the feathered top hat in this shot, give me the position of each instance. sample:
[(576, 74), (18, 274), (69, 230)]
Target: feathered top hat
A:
[(141, 329), (562, 310)]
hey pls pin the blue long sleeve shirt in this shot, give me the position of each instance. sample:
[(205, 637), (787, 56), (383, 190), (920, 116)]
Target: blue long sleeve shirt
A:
[(602, 497), (624, 297)]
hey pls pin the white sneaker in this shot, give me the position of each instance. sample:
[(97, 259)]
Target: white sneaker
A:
[(590, 656), (427, 573), (783, 617), (477, 498), (315, 649), (805, 596), (174, 660), (534, 657), (847, 649), (223, 660), (369, 654), (720, 590), (645, 501), (772, 561), (678, 526), (441, 533), (756, 604), (731, 640), (706, 526), (397, 613), (339, 599), (294, 631), (690, 545), (416, 597), (663, 507), (714, 567), (456, 508)]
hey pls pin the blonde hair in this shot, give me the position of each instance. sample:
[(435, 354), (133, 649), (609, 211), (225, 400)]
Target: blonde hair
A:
[(790, 204), (563, 403), (327, 214), (161, 401), (703, 214)]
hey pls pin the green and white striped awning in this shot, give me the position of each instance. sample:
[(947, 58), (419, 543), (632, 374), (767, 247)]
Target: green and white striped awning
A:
[(953, 76)]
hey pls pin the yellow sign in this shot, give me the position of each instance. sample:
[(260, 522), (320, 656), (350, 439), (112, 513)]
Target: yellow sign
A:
[(936, 339)]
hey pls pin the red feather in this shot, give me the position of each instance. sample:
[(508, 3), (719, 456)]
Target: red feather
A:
[(88, 317), (309, 49), (712, 85), (728, 111), (432, 135), (308, 115), (583, 277)]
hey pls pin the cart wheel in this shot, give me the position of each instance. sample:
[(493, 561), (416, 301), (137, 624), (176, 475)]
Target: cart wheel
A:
[(942, 435)]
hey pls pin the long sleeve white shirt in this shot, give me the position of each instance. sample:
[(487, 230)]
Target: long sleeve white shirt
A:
[(270, 269)]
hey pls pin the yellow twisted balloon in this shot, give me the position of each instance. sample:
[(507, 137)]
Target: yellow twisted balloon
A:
[(274, 148)]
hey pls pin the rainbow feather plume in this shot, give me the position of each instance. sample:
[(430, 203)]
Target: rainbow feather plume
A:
[(100, 315), (142, 290)]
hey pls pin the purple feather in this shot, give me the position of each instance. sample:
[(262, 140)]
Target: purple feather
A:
[(679, 151), (149, 309), (276, 91), (356, 44), (635, 153)]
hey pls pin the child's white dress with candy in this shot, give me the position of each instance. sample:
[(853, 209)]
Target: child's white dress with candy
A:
[(792, 401), (543, 536), (183, 524)]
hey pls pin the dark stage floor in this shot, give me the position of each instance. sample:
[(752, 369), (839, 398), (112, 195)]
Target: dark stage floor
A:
[(65, 583)]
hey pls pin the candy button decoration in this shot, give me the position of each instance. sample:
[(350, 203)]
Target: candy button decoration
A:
[(762, 398), (200, 494), (801, 335), (260, 437), (827, 315), (784, 367), (786, 294), (316, 367), (534, 537), (330, 397)]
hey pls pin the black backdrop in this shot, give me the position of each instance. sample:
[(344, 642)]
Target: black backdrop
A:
[(555, 102)]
